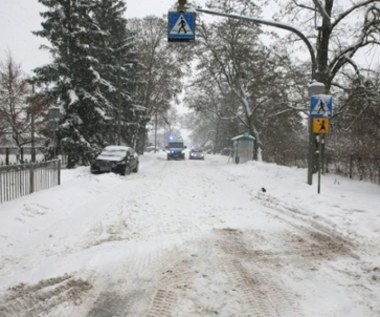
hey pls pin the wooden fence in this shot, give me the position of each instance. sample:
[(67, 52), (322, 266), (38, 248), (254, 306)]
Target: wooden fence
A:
[(20, 180)]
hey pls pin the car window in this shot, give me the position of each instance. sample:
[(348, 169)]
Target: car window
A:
[(116, 153)]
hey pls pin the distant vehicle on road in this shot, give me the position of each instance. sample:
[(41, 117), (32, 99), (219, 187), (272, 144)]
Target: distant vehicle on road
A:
[(152, 148), (117, 159), (196, 154), (175, 150)]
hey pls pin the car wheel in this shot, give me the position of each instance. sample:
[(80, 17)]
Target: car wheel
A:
[(125, 171), (136, 169)]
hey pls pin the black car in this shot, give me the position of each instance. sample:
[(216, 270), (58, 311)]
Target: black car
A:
[(117, 159), (196, 154)]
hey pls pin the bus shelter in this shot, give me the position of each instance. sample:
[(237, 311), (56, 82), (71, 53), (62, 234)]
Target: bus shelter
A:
[(243, 146)]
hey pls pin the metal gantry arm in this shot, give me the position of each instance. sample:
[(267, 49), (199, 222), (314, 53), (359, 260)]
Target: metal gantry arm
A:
[(274, 24)]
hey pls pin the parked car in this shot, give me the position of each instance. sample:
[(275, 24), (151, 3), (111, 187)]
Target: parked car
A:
[(117, 159), (196, 154)]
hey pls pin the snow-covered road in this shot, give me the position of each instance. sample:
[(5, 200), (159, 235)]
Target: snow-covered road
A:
[(192, 238)]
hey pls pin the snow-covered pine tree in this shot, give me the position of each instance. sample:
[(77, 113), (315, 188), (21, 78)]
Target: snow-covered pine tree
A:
[(73, 80), (119, 67)]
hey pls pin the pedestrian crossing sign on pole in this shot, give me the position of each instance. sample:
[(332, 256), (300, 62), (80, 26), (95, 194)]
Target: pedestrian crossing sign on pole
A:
[(321, 125), (321, 106), (181, 26)]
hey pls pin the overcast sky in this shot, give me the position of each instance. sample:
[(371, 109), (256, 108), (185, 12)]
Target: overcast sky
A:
[(18, 18)]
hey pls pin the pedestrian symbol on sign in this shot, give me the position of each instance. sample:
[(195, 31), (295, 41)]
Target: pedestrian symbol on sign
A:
[(182, 24), (321, 107), (321, 125)]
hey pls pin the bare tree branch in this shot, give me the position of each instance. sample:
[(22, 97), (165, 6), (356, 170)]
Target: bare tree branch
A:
[(350, 10)]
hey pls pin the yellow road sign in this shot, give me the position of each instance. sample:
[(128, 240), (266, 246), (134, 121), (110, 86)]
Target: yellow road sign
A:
[(321, 125)]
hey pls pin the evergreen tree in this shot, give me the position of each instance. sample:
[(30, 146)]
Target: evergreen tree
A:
[(119, 67), (73, 79)]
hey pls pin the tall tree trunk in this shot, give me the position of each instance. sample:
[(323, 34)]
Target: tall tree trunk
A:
[(324, 34)]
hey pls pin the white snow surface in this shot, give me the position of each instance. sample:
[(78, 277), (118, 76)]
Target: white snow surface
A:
[(192, 238)]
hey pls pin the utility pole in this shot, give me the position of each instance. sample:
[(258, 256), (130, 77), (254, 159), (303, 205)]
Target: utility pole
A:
[(32, 136), (155, 131), (118, 106), (32, 113)]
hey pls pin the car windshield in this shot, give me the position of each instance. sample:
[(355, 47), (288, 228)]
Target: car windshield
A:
[(176, 145), (114, 153)]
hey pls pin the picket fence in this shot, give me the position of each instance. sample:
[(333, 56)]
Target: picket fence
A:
[(23, 179)]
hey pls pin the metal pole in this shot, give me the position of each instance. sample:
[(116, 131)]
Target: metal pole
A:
[(118, 106), (319, 162), (33, 154), (55, 152), (155, 133), (59, 172), (310, 159), (315, 88), (33, 143)]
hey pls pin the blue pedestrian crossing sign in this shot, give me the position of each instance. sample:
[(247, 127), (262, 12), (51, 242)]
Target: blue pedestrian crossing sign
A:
[(181, 26), (321, 106)]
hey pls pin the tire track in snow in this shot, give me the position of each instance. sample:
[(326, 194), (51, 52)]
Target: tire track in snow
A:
[(178, 273), (39, 299), (314, 239), (163, 303), (109, 304), (260, 289)]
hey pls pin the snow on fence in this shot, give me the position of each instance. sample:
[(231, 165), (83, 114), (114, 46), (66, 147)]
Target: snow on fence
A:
[(20, 180), (14, 155)]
